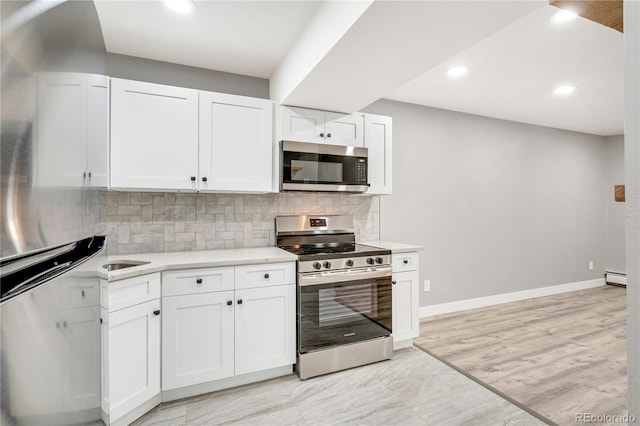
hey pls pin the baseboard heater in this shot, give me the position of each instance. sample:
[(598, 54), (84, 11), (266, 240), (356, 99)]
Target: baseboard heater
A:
[(615, 278)]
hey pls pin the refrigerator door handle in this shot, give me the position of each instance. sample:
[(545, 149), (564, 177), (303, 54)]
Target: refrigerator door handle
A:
[(36, 278)]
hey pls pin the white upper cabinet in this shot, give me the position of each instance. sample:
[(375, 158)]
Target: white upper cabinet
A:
[(236, 138), (378, 140), (302, 124), (98, 131), (154, 136), (72, 133), (310, 125), (61, 133), (343, 129), (177, 139)]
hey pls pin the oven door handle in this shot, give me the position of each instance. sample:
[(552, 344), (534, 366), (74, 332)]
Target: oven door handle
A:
[(318, 278)]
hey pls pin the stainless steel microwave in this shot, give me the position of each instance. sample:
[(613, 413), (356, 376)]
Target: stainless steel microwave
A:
[(323, 168)]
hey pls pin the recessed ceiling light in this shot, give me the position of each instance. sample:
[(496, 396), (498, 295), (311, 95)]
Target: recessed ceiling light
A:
[(563, 16), (457, 71), (566, 89), (180, 6)]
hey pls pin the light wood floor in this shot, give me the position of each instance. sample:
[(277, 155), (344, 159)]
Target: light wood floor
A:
[(411, 389), (558, 355)]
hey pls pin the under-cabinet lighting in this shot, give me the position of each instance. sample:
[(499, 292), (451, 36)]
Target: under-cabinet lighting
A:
[(180, 6), (457, 71)]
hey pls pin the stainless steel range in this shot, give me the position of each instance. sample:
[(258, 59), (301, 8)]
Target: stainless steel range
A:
[(343, 294)]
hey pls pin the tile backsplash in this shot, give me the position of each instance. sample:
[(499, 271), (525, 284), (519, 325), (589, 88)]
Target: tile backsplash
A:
[(145, 222)]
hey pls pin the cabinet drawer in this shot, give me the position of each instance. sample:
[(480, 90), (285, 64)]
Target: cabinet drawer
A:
[(265, 275), (131, 291), (404, 262), (194, 281)]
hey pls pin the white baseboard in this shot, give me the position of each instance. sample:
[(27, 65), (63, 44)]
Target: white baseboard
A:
[(481, 302)]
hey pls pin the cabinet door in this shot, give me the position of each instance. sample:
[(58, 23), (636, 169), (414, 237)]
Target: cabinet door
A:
[(98, 131), (236, 143), (134, 357), (265, 328), (154, 136), (301, 124), (60, 145), (341, 129), (405, 305), (377, 138), (197, 339), (81, 358)]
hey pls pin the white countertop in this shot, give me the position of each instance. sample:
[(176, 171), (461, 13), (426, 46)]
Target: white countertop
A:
[(159, 262), (394, 247)]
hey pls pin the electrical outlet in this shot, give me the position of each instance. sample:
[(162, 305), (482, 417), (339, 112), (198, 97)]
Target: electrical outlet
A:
[(427, 285), (591, 265)]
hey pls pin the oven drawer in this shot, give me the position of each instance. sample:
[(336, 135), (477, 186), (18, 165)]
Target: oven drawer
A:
[(193, 281), (404, 262), (265, 275)]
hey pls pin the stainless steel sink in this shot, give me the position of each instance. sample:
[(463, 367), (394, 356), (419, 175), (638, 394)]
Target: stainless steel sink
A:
[(122, 264)]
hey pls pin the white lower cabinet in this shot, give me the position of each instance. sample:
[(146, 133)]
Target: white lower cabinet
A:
[(265, 328), (131, 348), (197, 339), (405, 295), (226, 325)]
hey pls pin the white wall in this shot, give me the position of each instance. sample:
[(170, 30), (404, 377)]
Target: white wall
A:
[(499, 206), (615, 211)]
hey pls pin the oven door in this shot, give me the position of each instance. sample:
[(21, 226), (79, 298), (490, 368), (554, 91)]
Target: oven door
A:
[(319, 167), (341, 307)]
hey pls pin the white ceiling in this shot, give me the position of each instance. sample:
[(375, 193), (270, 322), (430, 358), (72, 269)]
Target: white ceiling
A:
[(395, 49), (513, 72), (241, 37)]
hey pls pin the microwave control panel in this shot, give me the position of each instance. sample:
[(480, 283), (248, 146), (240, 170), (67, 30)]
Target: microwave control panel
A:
[(361, 172)]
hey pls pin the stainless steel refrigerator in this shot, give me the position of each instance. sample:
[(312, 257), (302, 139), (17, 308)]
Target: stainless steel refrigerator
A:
[(52, 214)]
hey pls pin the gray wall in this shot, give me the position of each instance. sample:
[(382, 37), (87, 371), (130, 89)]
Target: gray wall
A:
[(615, 211), (133, 68), (632, 174), (499, 206)]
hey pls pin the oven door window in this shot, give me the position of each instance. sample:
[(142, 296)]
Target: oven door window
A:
[(340, 313), (300, 167)]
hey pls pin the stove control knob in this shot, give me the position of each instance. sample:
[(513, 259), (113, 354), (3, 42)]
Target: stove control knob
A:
[(316, 265), (370, 260), (349, 263), (378, 260), (327, 264)]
